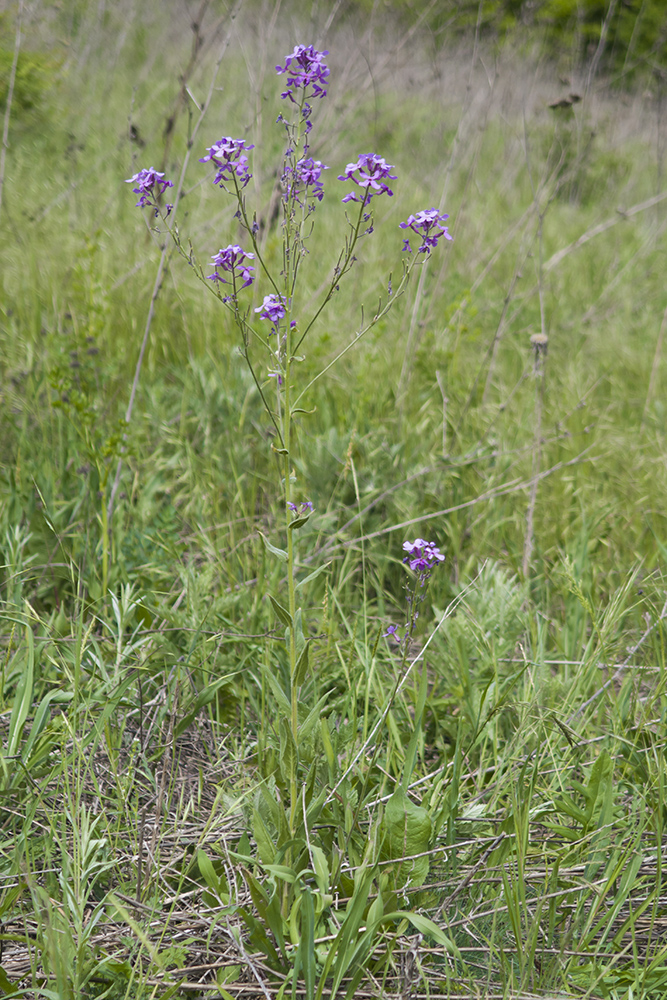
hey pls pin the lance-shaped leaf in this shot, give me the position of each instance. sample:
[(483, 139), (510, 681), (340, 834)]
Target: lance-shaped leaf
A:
[(272, 548)]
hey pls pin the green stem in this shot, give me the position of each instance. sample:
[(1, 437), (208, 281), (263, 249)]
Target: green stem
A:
[(382, 311)]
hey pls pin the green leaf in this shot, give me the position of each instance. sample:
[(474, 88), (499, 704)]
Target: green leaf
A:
[(426, 927), (272, 549), (342, 949), (301, 668), (313, 575), (23, 699), (298, 522), (265, 846), (307, 945), (278, 693), (288, 751), (283, 872), (321, 866), (281, 612), (328, 747), (407, 829), (5, 984)]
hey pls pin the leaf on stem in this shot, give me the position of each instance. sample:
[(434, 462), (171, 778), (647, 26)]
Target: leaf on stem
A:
[(272, 548), (313, 575), (281, 612), (301, 668), (298, 522)]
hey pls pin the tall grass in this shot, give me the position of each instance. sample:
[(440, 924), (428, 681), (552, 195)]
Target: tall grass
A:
[(493, 824)]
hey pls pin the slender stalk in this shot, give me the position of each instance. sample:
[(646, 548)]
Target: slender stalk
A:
[(10, 96), (539, 343)]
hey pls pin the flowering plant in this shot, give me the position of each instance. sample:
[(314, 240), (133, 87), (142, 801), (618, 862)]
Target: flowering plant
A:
[(234, 280), (150, 185)]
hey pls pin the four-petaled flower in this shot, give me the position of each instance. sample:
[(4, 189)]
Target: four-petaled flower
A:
[(305, 67), (306, 174), (272, 308), (429, 227), (422, 556), (372, 171), (229, 157), (392, 630), (232, 261), (300, 508), (150, 185)]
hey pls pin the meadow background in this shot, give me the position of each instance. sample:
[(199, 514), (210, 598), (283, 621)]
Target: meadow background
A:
[(511, 408)]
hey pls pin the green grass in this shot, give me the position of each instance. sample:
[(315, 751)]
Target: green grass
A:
[(150, 844)]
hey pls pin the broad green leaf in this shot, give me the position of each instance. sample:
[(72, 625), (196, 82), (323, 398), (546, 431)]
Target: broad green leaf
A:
[(283, 872), (265, 846), (278, 693), (298, 522), (300, 639), (321, 866), (280, 553), (328, 748), (288, 751), (212, 879), (281, 612), (407, 832), (6, 986), (301, 668)]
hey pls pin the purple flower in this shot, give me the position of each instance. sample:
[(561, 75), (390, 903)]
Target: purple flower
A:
[(429, 227), (306, 174), (150, 185), (300, 508), (272, 308), (229, 157), (305, 67), (372, 172), (231, 260), (422, 556), (392, 630)]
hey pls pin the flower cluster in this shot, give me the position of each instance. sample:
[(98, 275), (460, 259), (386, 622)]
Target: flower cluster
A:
[(422, 556), (229, 157), (232, 261), (372, 171), (305, 67), (305, 507), (429, 226), (150, 185), (306, 174), (273, 308)]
